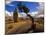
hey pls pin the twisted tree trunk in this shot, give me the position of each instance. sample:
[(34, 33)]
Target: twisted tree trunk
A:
[(15, 15), (33, 26)]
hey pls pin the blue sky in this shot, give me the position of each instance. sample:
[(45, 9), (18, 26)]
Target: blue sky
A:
[(31, 5)]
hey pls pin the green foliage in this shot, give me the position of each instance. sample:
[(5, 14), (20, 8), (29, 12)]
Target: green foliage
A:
[(25, 9)]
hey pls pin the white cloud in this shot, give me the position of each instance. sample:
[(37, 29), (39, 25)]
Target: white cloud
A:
[(38, 13), (40, 10), (9, 1), (10, 5), (33, 13), (21, 15), (9, 13), (41, 6), (40, 16)]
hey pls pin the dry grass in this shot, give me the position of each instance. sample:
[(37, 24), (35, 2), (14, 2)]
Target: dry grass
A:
[(21, 26)]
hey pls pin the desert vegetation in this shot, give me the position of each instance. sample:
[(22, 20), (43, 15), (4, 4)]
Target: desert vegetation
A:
[(23, 25), (15, 24)]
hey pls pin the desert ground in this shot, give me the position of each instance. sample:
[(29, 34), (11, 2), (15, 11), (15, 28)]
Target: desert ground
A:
[(23, 25)]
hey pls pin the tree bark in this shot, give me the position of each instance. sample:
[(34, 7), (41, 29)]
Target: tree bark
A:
[(31, 18), (15, 16)]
